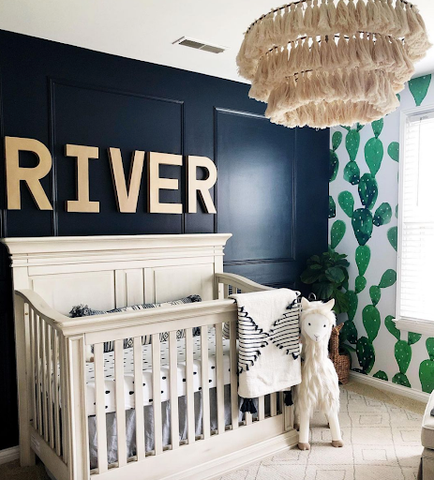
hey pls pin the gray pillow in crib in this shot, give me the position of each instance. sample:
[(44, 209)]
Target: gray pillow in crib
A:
[(85, 311)]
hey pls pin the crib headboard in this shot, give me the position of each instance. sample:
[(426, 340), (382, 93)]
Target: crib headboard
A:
[(114, 271)]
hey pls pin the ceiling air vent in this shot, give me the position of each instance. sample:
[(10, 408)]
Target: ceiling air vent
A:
[(199, 45)]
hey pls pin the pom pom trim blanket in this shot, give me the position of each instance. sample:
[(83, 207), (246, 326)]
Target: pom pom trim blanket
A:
[(269, 351)]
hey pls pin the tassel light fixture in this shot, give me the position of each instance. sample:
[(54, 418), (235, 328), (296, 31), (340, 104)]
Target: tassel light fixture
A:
[(321, 63)]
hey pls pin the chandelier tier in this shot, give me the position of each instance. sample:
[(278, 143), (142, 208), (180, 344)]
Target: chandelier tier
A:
[(332, 64)]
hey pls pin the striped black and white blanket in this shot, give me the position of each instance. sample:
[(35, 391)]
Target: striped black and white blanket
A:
[(268, 351)]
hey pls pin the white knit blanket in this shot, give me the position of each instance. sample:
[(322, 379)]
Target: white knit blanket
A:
[(268, 332)]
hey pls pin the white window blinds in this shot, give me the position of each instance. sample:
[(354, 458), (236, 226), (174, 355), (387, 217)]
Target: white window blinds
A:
[(416, 248)]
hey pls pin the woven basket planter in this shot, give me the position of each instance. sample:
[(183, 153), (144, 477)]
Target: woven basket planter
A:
[(341, 362)]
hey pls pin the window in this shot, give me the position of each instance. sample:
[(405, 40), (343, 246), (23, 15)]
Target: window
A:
[(415, 306)]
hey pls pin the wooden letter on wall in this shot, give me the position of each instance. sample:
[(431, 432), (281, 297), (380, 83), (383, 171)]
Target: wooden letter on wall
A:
[(202, 187), (126, 197), (32, 176), (83, 154), (156, 183)]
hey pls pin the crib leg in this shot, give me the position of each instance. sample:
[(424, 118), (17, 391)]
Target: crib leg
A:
[(335, 430), (303, 435)]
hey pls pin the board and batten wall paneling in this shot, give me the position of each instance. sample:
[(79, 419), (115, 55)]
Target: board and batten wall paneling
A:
[(271, 192)]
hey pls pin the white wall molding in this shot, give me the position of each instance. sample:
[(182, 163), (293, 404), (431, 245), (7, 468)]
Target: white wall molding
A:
[(424, 327), (9, 455), (390, 387)]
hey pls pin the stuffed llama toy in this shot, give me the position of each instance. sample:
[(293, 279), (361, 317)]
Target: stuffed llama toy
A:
[(319, 388)]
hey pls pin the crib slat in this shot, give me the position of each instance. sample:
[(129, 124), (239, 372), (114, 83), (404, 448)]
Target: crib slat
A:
[(56, 392), (205, 382), (248, 418), (38, 372), (49, 362), (234, 377), (138, 398), (156, 394), (226, 290), (100, 407), (220, 379), (32, 364), (173, 378), (120, 402), (42, 333), (63, 400), (190, 388), (261, 408), (273, 404)]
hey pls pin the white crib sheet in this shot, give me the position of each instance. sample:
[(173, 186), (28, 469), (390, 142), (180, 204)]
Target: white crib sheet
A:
[(110, 400)]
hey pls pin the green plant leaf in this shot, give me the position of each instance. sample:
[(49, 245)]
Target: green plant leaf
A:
[(335, 275), (377, 127), (368, 190), (375, 294), (419, 88), (371, 321), (390, 325), (341, 302), (322, 290), (374, 153), (426, 375), (388, 279), (381, 375), (346, 202), (349, 332), (352, 143), (352, 173), (310, 275), (430, 347)]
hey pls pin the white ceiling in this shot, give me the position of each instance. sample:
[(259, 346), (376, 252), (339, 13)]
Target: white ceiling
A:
[(145, 29)]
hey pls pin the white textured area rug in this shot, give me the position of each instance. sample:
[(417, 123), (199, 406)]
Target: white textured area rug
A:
[(382, 442)]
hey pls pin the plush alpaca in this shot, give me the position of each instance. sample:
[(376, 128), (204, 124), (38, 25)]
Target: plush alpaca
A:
[(319, 388)]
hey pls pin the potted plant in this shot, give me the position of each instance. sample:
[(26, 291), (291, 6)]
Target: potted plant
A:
[(327, 274)]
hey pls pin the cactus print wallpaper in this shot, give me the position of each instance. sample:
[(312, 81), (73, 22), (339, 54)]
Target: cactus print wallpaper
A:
[(363, 211)]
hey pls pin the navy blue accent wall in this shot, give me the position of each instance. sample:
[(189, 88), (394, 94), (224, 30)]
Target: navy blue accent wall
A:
[(272, 191)]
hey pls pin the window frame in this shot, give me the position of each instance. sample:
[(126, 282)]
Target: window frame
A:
[(405, 324)]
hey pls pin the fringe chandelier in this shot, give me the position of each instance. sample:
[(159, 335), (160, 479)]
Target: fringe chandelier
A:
[(324, 64)]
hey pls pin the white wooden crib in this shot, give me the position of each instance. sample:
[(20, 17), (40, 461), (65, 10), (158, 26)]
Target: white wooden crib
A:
[(53, 274)]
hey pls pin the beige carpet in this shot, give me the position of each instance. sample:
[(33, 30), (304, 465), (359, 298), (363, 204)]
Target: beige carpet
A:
[(381, 433)]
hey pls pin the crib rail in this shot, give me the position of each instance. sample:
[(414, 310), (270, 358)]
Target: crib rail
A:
[(56, 366)]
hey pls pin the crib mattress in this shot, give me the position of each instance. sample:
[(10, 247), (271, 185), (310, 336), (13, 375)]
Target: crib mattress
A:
[(129, 386)]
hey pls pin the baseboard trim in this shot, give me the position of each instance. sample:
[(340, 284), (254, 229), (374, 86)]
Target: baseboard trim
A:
[(390, 387), (9, 455)]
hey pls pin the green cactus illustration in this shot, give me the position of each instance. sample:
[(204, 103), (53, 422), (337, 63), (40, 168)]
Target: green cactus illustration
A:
[(419, 88), (374, 153), (349, 332), (337, 233), (352, 173), (346, 202), (390, 325), (396, 211), (336, 140), (377, 127), (352, 143), (392, 236), (381, 375), (375, 294), (371, 321), (403, 355), (393, 151), (333, 166), (388, 279), (360, 284), (383, 215), (363, 257), (413, 338), (430, 347), (362, 225), (401, 379), (365, 354), (332, 207), (368, 190), (353, 302)]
